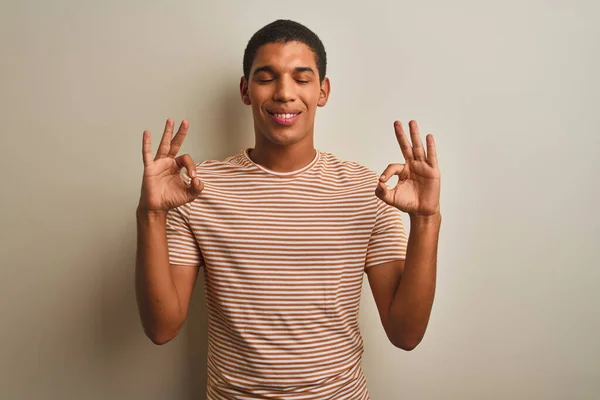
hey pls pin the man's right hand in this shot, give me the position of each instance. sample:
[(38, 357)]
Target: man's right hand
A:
[(162, 186)]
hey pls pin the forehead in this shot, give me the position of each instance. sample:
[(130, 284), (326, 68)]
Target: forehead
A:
[(285, 56)]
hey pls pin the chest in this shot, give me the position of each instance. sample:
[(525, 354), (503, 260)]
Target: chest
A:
[(292, 244)]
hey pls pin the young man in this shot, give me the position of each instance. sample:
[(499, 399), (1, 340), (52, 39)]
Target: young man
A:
[(283, 233)]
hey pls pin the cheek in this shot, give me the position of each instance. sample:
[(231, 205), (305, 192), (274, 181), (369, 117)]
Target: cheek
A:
[(312, 104), (257, 95), (255, 101), (315, 96)]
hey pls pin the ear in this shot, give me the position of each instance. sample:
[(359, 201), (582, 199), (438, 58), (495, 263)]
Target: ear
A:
[(244, 91), (324, 92)]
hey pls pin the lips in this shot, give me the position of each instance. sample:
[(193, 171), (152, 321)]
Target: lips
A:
[(283, 117)]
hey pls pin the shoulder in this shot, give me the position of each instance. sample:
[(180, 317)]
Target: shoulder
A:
[(234, 164), (348, 169)]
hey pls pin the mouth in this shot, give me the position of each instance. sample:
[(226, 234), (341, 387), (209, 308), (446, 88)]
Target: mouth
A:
[(284, 118)]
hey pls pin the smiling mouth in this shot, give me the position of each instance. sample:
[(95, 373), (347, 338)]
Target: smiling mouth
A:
[(284, 118)]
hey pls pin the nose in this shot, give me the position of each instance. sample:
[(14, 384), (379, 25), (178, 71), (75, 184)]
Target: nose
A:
[(284, 90)]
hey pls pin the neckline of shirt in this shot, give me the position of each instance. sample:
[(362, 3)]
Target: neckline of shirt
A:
[(299, 171)]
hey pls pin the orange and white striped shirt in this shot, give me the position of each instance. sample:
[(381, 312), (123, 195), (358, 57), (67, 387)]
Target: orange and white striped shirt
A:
[(284, 256)]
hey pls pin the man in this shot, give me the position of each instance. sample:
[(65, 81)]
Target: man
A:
[(284, 233)]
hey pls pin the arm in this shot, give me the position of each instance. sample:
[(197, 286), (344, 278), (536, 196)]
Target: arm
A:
[(163, 291), (404, 290)]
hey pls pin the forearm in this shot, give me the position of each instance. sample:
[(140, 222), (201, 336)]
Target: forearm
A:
[(413, 299), (157, 298)]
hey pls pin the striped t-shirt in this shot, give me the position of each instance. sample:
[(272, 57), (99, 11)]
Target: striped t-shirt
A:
[(284, 256)]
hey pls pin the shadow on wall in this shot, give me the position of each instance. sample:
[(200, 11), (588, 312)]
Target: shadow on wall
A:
[(233, 130)]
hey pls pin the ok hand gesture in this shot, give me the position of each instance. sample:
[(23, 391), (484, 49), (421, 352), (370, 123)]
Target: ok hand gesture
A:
[(162, 186), (418, 190)]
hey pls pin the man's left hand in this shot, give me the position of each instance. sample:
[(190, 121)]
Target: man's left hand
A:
[(418, 189)]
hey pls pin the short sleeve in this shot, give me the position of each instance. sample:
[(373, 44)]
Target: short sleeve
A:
[(183, 246), (388, 238)]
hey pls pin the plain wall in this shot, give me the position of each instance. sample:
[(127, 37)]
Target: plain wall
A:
[(509, 89)]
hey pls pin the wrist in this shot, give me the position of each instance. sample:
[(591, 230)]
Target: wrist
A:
[(143, 212), (426, 220)]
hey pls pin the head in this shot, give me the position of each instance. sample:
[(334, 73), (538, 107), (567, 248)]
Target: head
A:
[(284, 81)]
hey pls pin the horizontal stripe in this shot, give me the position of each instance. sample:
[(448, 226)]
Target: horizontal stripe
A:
[(284, 257)]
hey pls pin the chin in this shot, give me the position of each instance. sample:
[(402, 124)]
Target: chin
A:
[(282, 140), (283, 137)]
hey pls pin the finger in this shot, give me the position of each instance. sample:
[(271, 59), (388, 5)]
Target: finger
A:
[(179, 138), (185, 161), (405, 146), (431, 151), (147, 148), (384, 193), (391, 170), (165, 142), (417, 144), (194, 188)]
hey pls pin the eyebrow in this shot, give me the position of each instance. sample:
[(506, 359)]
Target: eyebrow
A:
[(268, 68)]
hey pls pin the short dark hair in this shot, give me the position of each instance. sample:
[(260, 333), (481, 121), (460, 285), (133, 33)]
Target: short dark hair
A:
[(284, 31)]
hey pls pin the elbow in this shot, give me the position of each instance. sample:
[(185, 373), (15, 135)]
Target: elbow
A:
[(159, 340), (160, 336), (406, 342), (160, 329), (406, 345), (406, 336)]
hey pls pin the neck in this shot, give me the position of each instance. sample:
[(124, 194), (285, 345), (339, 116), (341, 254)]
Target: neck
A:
[(283, 158)]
